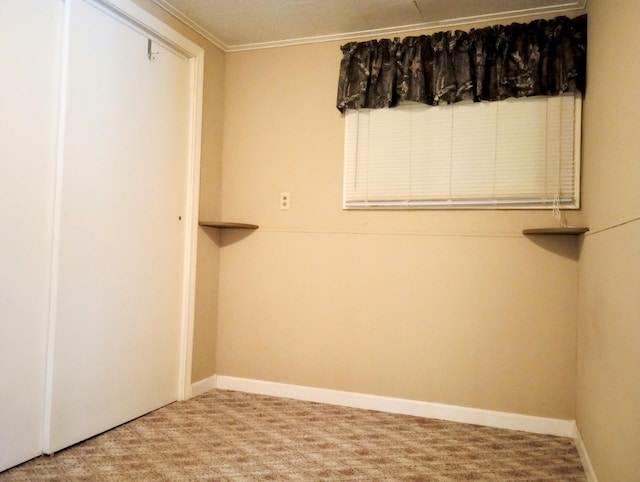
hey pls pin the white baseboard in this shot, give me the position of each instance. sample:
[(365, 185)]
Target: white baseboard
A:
[(584, 456), (512, 421), (201, 386)]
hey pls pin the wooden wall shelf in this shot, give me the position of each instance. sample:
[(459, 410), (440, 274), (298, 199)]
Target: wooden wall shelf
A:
[(556, 231), (224, 225)]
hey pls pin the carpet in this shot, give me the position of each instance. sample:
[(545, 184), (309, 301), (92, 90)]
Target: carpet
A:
[(224, 435)]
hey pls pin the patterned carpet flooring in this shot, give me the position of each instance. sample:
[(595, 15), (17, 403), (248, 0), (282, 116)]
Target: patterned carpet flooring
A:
[(232, 436)]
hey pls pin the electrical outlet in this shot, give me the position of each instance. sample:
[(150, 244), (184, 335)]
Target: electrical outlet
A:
[(285, 201)]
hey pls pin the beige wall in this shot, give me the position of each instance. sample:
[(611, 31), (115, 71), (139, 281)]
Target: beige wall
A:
[(451, 307), (208, 240), (608, 386)]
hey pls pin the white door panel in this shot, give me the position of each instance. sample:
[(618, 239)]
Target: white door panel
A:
[(30, 38), (121, 256)]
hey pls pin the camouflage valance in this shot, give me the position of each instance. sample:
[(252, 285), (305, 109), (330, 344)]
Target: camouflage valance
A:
[(544, 57)]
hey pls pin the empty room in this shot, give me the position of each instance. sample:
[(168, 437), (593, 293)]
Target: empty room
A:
[(329, 239)]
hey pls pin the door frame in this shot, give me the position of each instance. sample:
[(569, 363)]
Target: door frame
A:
[(139, 19)]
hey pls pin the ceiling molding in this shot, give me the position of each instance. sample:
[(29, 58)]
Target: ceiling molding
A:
[(190, 23), (565, 9)]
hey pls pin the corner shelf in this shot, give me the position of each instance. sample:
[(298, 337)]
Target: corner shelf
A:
[(557, 231), (223, 225)]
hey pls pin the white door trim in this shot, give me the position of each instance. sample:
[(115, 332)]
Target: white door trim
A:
[(139, 19)]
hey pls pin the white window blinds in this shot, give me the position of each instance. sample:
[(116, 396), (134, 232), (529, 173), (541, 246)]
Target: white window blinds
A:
[(516, 153)]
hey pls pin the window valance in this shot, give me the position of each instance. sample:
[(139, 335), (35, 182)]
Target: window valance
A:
[(543, 57)]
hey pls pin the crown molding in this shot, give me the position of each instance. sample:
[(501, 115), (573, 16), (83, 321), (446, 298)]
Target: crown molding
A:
[(165, 5), (568, 8)]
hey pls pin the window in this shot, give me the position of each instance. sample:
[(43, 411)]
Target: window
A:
[(514, 153)]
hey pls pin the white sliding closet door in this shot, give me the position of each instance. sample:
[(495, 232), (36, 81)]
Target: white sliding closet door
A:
[(30, 35), (119, 270)]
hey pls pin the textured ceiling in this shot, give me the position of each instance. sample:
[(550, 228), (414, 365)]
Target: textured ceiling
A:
[(245, 24)]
